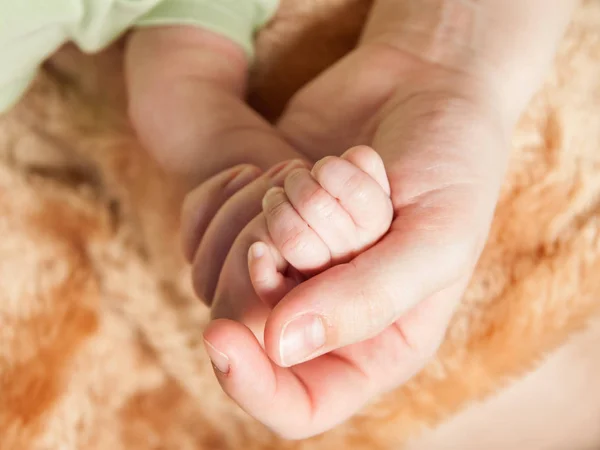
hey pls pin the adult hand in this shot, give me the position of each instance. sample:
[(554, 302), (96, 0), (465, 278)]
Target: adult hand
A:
[(440, 113)]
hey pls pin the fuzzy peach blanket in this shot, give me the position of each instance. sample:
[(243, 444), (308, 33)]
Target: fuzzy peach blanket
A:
[(100, 335)]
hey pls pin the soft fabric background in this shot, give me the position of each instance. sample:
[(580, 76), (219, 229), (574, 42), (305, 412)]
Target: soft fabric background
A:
[(100, 335)]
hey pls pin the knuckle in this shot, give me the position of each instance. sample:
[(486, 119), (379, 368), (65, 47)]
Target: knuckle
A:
[(356, 188), (293, 240), (278, 209), (319, 202), (376, 305), (287, 229), (261, 281)]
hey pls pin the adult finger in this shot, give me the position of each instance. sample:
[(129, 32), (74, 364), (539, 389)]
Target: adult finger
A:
[(323, 392), (331, 388)]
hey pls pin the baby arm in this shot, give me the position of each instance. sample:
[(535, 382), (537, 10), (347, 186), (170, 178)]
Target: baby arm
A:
[(186, 69)]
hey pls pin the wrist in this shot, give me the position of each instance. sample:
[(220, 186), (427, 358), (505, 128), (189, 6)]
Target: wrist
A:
[(507, 45), (183, 85), (445, 85)]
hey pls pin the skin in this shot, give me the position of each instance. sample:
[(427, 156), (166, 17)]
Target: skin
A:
[(320, 218), (435, 88)]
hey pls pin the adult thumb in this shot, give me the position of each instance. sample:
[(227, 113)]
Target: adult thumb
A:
[(353, 302)]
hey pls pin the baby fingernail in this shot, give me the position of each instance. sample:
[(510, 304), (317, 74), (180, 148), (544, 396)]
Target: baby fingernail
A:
[(280, 173), (320, 163), (271, 197), (301, 338), (219, 360), (244, 177), (258, 250)]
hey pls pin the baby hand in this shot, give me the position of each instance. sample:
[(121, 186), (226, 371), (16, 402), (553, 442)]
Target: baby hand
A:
[(318, 219)]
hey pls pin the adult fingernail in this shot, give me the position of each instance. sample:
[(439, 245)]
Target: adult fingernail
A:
[(301, 338), (244, 177), (219, 360)]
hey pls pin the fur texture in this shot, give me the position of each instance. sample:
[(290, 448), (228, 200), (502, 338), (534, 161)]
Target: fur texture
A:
[(100, 335)]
